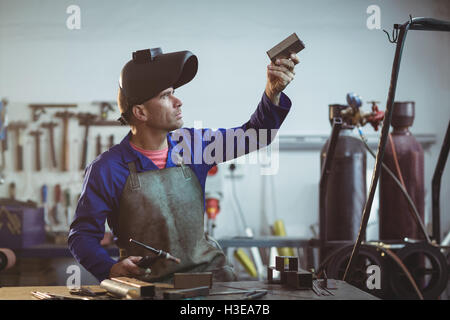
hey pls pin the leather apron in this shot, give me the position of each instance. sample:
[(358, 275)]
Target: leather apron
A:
[(164, 209)]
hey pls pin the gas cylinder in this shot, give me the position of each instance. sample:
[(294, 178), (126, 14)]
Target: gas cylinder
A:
[(395, 220), (346, 188)]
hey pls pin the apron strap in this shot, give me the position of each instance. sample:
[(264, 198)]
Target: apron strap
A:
[(133, 176), (179, 162), (186, 172)]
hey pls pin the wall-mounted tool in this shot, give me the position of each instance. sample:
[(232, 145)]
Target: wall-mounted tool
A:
[(86, 120), (111, 141), (57, 224), (3, 117), (44, 198), (3, 137), (65, 116), (17, 127), (67, 205), (98, 145), (105, 107), (146, 261), (50, 126), (12, 191), (37, 140), (39, 109)]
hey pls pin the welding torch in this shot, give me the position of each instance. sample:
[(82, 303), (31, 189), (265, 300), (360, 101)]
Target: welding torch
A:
[(147, 260)]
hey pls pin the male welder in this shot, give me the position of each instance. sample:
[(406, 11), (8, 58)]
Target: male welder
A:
[(144, 190)]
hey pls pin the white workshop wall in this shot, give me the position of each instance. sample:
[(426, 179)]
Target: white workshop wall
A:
[(41, 61)]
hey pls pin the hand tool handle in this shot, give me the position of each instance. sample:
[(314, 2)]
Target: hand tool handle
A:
[(99, 144), (12, 190), (85, 147), (38, 153), (111, 141), (67, 197), (65, 145), (5, 141), (52, 147), (44, 193), (83, 156), (19, 150), (57, 193)]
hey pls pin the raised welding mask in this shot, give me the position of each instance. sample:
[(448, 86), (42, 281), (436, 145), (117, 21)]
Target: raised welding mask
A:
[(150, 72)]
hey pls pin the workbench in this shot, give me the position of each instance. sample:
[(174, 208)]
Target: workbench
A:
[(344, 291)]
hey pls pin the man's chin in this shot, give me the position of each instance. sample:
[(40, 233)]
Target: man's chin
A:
[(179, 124)]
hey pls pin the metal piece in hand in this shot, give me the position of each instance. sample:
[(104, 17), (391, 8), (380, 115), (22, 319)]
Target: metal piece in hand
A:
[(160, 253), (291, 44)]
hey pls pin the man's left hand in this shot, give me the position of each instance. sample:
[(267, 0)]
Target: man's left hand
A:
[(279, 75)]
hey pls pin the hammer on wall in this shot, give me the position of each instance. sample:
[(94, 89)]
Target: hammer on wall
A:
[(17, 127), (65, 115), (50, 126), (85, 119), (37, 137)]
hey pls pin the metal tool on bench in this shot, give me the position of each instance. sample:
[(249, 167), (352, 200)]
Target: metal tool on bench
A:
[(51, 296), (147, 261)]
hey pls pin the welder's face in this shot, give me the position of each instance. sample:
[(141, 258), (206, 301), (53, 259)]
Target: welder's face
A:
[(164, 111)]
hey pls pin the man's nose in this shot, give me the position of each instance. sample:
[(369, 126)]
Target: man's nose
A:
[(177, 102)]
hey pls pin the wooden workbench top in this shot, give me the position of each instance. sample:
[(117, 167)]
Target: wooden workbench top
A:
[(344, 291)]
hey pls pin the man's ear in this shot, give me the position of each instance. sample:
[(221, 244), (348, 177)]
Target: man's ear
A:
[(139, 112)]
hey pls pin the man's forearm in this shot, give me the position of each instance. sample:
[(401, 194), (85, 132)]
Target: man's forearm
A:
[(274, 97), (91, 255)]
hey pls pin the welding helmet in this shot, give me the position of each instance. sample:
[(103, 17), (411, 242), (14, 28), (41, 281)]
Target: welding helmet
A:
[(150, 71)]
